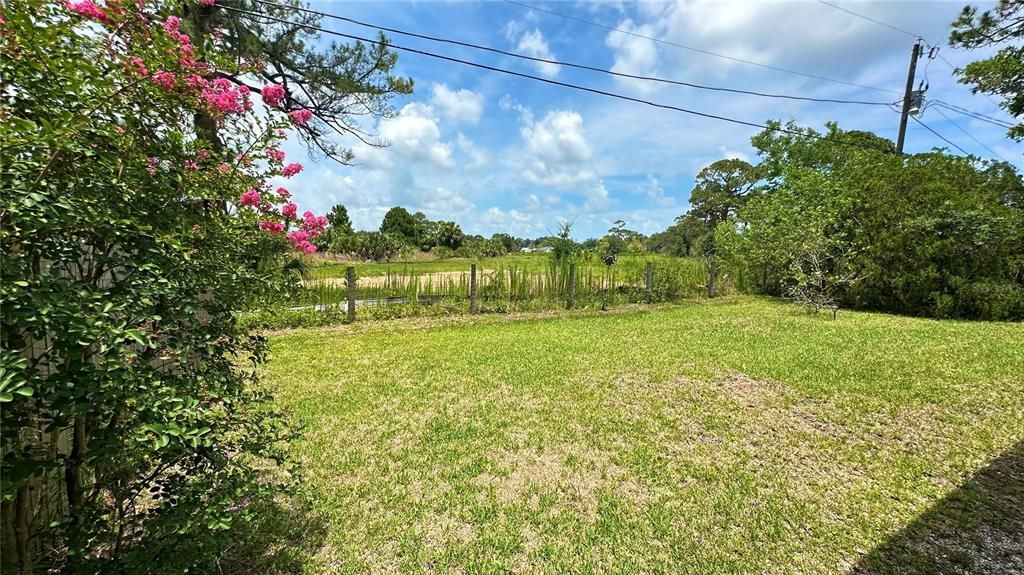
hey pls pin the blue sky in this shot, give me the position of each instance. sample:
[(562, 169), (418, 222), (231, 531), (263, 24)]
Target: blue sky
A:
[(499, 153)]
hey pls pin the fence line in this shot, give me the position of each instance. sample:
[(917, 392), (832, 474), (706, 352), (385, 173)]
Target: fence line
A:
[(561, 284)]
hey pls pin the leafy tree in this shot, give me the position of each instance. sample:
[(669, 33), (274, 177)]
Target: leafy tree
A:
[(680, 238), (508, 243), (926, 234), (721, 189), (399, 223), (336, 236), (1000, 74), (449, 235), (374, 246), (341, 224), (279, 44)]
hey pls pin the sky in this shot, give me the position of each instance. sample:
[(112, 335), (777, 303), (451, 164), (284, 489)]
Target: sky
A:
[(499, 153)]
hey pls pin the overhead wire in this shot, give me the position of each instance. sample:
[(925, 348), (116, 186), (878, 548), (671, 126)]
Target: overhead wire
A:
[(870, 19), (572, 64), (940, 136), (930, 46), (699, 50), (965, 112), (969, 135), (549, 80)]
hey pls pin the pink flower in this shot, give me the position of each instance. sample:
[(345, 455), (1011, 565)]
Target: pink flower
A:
[(276, 154), (223, 97), (119, 129), (289, 210), (313, 224), (305, 247), (172, 24), (274, 228), (282, 134), (223, 168), (283, 193), (298, 236), (203, 154), (190, 165), (272, 95), (140, 66), (291, 169), (250, 198), (165, 80), (88, 9), (206, 2), (301, 117), (195, 81), (151, 165)]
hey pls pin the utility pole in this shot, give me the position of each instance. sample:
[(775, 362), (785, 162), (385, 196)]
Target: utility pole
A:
[(905, 113)]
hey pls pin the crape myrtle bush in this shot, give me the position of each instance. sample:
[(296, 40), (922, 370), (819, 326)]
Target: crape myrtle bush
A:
[(127, 242)]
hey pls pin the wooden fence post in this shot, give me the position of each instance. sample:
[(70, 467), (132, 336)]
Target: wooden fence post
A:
[(572, 286), (473, 305), (350, 280), (650, 282)]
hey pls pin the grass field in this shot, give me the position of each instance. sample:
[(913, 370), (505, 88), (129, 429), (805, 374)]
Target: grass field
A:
[(740, 436)]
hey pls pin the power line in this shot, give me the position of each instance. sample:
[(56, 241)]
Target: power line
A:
[(699, 50), (870, 19), (913, 35), (550, 81), (571, 64), (940, 136), (975, 115), (969, 135)]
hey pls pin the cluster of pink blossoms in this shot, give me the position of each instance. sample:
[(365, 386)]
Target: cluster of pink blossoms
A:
[(89, 9), (276, 154), (250, 198), (224, 97), (273, 95), (314, 224), (272, 227), (300, 241), (165, 80), (301, 117)]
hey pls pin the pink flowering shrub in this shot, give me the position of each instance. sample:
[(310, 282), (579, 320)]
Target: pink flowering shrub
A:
[(291, 169), (289, 211), (283, 193), (276, 154)]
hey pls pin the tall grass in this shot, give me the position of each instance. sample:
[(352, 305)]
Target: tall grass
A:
[(512, 284)]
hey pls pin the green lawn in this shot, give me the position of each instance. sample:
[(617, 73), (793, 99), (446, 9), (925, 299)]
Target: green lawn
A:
[(741, 436)]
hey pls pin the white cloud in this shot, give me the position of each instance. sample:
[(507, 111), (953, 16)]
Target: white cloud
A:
[(532, 43), (412, 135), (558, 137), (457, 105), (446, 204), (733, 154), (477, 157), (634, 55)]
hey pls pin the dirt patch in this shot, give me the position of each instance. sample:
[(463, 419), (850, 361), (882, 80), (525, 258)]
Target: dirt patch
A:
[(435, 278), (577, 475)]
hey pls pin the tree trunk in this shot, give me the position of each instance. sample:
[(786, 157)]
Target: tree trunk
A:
[(712, 275)]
